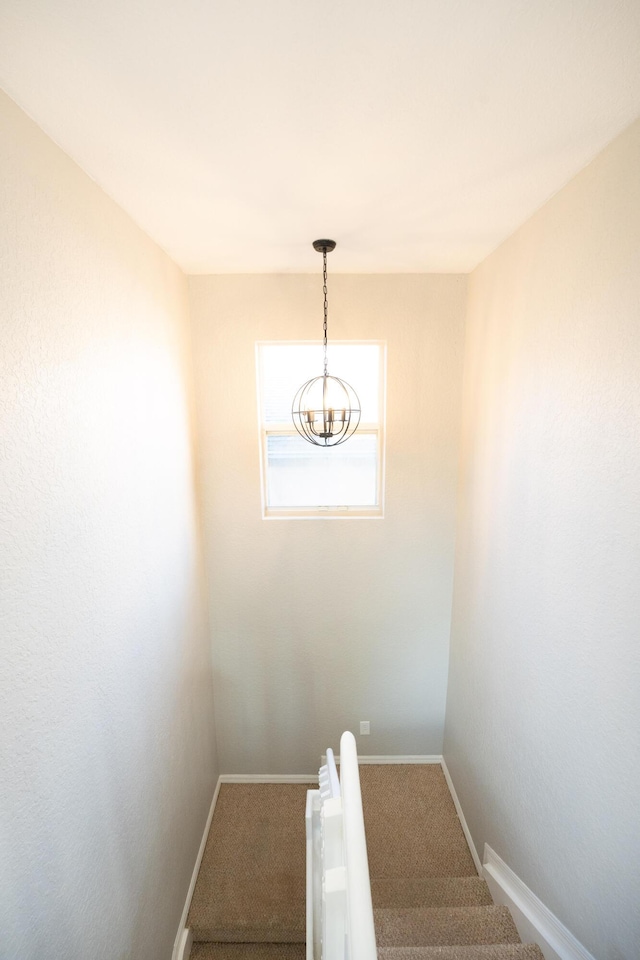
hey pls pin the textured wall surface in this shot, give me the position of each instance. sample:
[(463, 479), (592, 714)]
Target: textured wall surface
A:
[(543, 714), (318, 624), (106, 750)]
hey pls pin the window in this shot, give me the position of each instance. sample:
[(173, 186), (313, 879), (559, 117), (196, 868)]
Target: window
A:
[(298, 478)]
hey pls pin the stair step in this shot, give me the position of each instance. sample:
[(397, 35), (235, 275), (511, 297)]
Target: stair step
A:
[(444, 926), (251, 884), (266, 912), (431, 892), (496, 951), (411, 823), (252, 951)]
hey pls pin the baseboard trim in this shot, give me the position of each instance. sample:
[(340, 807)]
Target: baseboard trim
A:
[(535, 922), (461, 817), (269, 778), (183, 944), (184, 937), (397, 758)]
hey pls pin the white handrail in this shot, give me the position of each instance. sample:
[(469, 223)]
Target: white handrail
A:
[(361, 931), (339, 910)]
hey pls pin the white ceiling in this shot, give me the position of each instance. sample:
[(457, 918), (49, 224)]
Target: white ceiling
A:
[(417, 133)]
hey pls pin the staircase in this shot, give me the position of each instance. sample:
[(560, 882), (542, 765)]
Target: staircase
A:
[(428, 902)]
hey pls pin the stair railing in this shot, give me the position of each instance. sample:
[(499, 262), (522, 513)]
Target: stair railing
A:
[(339, 910)]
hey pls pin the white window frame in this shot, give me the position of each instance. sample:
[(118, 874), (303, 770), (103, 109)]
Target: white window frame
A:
[(374, 512)]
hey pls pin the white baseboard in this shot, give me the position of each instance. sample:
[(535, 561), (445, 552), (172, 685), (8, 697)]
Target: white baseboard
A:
[(461, 818), (535, 922), (183, 944), (399, 758), (396, 758), (313, 777), (184, 938), (269, 778)]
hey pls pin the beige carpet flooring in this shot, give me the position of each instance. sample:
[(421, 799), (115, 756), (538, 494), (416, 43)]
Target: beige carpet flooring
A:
[(249, 900), (296, 951), (411, 823), (249, 951), (251, 885), (444, 926), (498, 951), (435, 891)]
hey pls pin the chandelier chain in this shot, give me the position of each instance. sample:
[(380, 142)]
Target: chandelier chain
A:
[(326, 307)]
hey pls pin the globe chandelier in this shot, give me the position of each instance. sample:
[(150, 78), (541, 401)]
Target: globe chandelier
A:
[(326, 409)]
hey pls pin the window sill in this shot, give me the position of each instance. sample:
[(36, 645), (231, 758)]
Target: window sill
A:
[(323, 513)]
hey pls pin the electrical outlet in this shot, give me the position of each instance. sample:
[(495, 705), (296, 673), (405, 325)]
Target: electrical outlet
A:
[(365, 727)]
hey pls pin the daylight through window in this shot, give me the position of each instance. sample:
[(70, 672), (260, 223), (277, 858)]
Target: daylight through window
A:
[(298, 478)]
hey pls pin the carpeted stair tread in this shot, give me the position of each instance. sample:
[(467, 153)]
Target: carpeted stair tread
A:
[(430, 892), (444, 926), (251, 884), (411, 823), (496, 951), (249, 951)]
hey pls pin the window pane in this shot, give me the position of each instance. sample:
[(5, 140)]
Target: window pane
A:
[(285, 367), (359, 365), (301, 475)]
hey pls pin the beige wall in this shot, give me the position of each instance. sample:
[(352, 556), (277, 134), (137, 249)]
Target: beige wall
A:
[(318, 624), (107, 747), (543, 715)]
